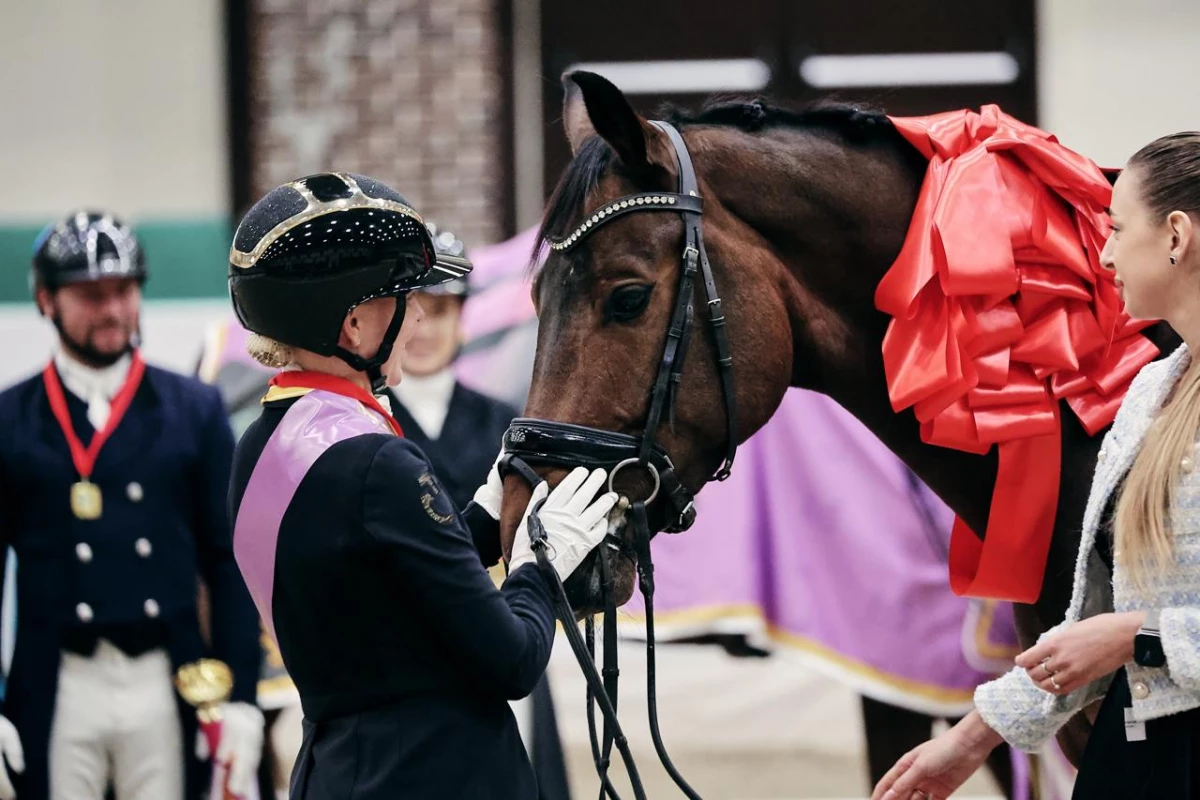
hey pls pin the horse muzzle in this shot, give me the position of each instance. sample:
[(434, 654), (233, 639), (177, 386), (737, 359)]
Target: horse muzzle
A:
[(531, 443)]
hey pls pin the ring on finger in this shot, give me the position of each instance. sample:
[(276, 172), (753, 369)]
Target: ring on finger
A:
[(1045, 668), (1054, 683)]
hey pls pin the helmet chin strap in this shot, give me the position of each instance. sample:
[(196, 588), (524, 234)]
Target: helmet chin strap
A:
[(378, 381), (373, 366)]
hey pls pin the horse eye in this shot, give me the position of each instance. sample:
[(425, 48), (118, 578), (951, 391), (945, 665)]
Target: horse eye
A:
[(627, 303)]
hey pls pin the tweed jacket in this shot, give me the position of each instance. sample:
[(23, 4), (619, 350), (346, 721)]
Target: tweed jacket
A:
[(1025, 715)]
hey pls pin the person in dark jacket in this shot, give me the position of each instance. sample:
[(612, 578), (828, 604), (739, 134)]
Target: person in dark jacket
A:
[(113, 478), (369, 577)]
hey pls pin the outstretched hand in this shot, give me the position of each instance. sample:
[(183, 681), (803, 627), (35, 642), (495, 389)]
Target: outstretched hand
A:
[(937, 769)]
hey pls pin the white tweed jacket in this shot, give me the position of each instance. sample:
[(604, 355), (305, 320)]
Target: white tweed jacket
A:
[(1025, 715)]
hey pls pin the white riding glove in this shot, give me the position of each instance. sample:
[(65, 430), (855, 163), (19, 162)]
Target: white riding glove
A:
[(574, 523), (241, 746), (489, 495), (10, 750)]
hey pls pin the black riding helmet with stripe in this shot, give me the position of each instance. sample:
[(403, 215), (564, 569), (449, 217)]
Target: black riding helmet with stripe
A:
[(311, 250), (86, 246)]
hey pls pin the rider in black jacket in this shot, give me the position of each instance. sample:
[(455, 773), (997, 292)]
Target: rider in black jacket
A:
[(371, 580)]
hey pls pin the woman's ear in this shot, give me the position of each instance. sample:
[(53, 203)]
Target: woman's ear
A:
[(1183, 235), (351, 336)]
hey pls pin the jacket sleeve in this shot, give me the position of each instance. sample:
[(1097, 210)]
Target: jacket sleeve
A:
[(1017, 709), (235, 625), (502, 636), (485, 533), (1180, 629), (496, 418)]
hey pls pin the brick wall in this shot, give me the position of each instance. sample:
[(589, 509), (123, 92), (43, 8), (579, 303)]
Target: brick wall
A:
[(406, 91)]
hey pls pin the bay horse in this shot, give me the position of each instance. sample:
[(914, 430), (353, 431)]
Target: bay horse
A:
[(803, 213)]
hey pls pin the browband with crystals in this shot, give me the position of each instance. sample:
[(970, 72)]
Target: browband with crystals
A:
[(647, 201)]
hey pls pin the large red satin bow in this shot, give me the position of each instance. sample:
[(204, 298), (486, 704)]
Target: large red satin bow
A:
[(1000, 309)]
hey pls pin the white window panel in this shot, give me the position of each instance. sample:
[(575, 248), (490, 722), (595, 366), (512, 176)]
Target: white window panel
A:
[(909, 69), (684, 76)]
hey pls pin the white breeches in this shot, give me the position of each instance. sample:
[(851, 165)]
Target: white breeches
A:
[(115, 720)]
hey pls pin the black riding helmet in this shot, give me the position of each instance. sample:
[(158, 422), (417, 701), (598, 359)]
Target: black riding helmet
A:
[(86, 246), (313, 249), (448, 247)]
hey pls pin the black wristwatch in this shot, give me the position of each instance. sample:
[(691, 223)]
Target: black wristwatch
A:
[(1147, 644)]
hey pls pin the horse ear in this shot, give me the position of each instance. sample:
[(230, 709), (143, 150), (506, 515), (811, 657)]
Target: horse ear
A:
[(594, 106)]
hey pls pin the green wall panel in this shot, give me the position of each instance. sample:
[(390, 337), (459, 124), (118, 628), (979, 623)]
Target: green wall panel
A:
[(185, 258)]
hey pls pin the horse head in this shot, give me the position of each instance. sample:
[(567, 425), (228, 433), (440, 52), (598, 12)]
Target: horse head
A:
[(801, 214)]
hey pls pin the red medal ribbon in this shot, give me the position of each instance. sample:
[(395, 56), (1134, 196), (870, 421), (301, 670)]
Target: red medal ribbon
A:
[(85, 458), (304, 379), (1000, 310)]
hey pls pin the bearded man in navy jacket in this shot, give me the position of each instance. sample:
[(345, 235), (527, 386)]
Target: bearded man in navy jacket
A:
[(113, 482)]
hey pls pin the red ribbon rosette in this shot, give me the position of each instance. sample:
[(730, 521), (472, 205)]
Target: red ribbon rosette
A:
[(1000, 309)]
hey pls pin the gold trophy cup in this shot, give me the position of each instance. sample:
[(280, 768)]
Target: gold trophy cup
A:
[(205, 685)]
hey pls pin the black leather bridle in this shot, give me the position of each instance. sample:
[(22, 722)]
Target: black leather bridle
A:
[(537, 442)]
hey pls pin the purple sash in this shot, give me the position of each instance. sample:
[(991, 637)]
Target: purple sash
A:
[(311, 426)]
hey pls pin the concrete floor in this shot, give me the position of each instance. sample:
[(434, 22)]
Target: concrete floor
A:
[(737, 729)]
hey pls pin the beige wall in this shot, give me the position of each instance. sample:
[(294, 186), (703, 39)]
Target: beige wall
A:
[(117, 103), (109, 101), (1116, 74)]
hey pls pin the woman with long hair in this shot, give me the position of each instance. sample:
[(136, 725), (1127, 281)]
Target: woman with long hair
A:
[(1132, 638)]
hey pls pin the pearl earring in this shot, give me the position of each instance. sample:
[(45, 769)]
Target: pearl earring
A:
[(1172, 260)]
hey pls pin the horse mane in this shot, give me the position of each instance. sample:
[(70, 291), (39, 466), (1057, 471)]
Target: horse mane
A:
[(856, 125)]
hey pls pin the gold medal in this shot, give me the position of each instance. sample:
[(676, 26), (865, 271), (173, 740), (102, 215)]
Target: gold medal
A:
[(85, 500), (85, 495)]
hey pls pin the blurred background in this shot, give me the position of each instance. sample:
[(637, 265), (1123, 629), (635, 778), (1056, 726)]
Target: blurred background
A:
[(178, 114)]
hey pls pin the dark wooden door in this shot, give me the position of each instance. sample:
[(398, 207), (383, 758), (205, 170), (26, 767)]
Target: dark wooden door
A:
[(907, 57)]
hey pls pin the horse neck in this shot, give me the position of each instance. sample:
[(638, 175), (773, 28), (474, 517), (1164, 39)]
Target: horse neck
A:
[(841, 227), (836, 243)]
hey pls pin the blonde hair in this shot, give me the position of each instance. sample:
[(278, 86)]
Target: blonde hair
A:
[(1142, 535), (1168, 171), (268, 352)]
